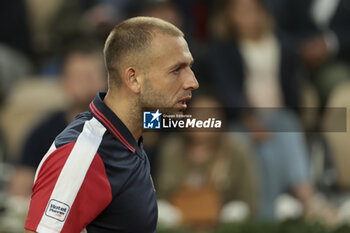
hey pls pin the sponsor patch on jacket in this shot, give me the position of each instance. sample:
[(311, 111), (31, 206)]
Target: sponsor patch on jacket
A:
[(57, 210)]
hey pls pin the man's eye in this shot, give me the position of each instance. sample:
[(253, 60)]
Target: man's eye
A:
[(177, 71)]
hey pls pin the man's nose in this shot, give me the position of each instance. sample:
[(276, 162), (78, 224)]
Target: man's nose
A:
[(191, 82)]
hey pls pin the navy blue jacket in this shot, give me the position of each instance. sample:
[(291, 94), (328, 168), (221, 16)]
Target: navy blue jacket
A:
[(95, 178)]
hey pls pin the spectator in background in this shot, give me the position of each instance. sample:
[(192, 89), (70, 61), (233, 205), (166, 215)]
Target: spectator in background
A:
[(205, 177), (83, 74), (252, 68), (320, 31)]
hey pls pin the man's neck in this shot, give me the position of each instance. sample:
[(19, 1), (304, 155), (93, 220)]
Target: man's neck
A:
[(127, 112)]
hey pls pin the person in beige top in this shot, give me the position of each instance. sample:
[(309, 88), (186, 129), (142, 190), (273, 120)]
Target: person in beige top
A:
[(205, 175)]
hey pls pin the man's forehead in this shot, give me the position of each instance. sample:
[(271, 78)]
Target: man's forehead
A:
[(167, 46)]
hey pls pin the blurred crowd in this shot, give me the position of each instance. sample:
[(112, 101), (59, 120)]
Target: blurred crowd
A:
[(292, 56)]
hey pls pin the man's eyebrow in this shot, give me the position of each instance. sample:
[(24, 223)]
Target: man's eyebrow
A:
[(181, 65)]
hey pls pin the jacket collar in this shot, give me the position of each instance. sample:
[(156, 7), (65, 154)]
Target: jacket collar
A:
[(112, 122)]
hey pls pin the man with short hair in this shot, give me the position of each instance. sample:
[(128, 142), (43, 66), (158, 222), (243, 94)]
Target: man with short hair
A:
[(96, 175)]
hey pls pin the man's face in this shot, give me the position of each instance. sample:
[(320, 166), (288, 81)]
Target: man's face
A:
[(169, 79)]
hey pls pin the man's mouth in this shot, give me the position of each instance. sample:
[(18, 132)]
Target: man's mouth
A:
[(183, 102)]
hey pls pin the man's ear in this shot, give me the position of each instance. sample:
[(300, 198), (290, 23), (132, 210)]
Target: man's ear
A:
[(132, 79)]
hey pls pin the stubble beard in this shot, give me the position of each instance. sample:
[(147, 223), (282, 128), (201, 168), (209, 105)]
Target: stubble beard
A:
[(151, 99)]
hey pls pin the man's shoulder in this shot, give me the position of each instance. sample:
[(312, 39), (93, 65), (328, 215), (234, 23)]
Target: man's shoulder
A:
[(73, 130)]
